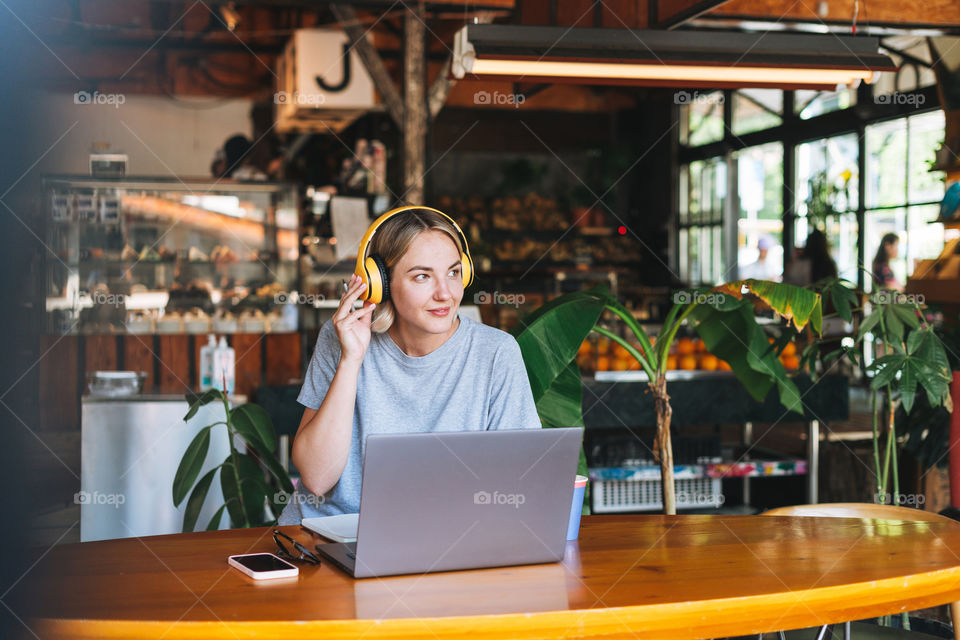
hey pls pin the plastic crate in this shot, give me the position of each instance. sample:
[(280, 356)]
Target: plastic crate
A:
[(638, 494)]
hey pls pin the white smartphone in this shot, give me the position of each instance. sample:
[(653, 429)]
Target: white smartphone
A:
[(263, 566)]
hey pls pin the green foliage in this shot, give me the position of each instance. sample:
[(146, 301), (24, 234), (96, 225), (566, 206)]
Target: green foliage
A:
[(724, 317), (248, 496)]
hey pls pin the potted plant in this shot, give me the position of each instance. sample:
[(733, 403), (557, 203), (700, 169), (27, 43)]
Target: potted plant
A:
[(908, 358), (249, 498), (723, 316)]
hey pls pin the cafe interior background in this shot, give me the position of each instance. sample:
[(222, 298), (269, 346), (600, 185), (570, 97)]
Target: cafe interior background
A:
[(126, 245)]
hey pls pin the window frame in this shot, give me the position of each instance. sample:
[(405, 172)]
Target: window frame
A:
[(792, 132)]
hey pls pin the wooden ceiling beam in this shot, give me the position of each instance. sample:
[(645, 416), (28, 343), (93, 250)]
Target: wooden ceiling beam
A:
[(669, 14), (346, 15), (944, 13)]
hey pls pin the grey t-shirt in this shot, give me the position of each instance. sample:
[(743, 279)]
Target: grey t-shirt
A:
[(476, 380)]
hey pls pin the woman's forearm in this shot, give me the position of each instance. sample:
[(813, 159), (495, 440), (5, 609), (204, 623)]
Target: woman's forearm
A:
[(322, 444)]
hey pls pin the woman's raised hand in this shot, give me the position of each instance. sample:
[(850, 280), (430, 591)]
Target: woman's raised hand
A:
[(353, 325)]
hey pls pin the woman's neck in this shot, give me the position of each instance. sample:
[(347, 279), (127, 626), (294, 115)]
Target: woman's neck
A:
[(424, 344)]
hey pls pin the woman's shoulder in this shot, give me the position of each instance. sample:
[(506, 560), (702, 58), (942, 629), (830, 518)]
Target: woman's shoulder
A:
[(486, 336)]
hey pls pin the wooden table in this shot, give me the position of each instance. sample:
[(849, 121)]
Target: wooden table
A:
[(657, 576)]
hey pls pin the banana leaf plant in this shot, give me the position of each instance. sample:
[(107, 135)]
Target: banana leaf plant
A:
[(242, 475), (724, 317)]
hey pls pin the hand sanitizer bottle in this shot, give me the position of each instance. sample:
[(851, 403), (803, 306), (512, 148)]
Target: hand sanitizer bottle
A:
[(224, 367), (206, 363)]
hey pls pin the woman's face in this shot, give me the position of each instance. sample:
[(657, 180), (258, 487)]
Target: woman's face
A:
[(426, 286), (893, 249)]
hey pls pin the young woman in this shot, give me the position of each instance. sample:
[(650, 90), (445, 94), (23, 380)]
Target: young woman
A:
[(409, 363), (888, 250)]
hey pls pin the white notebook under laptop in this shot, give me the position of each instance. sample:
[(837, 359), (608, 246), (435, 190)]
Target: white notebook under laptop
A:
[(339, 528)]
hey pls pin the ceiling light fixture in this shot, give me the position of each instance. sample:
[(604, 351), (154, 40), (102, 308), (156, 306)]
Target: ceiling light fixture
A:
[(666, 58)]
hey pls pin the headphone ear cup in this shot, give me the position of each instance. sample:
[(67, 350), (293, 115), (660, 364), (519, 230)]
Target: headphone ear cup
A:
[(466, 271), (371, 276), (379, 272)]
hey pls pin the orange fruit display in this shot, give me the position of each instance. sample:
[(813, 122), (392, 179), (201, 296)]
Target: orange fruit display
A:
[(619, 351), (723, 365), (603, 363), (790, 349), (621, 364), (685, 346), (709, 362), (688, 362), (699, 346), (671, 362), (603, 346), (790, 362), (585, 349)]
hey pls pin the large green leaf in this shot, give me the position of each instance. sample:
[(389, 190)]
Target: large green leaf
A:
[(231, 494), (799, 306), (253, 488), (214, 523), (886, 370), (254, 424), (869, 324), (273, 465), (190, 465), (198, 400), (844, 298), (550, 337), (733, 335), (561, 405), (928, 347), (195, 503), (908, 385)]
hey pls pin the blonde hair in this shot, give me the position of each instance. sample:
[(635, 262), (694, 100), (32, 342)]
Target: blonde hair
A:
[(393, 239)]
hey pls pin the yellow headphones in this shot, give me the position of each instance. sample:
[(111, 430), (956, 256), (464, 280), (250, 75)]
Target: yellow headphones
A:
[(373, 270)]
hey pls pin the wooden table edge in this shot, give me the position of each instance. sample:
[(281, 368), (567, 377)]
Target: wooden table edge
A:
[(706, 618)]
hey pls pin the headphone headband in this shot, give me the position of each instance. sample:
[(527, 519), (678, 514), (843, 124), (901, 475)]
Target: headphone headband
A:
[(378, 289)]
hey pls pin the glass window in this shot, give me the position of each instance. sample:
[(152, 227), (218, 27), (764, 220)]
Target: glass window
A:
[(886, 167), (718, 273), (760, 222), (827, 176), (808, 103), (684, 202), (842, 231), (909, 76), (926, 135), (699, 246), (879, 223), (756, 109), (682, 255), (701, 119), (923, 239), (693, 257)]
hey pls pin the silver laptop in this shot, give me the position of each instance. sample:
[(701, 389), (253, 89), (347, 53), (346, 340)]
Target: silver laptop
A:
[(461, 500)]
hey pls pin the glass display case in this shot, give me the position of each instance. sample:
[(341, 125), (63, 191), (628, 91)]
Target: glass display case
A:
[(152, 255)]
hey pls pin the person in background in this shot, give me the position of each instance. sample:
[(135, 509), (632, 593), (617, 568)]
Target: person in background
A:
[(234, 160), (888, 250), (813, 264), (763, 268)]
